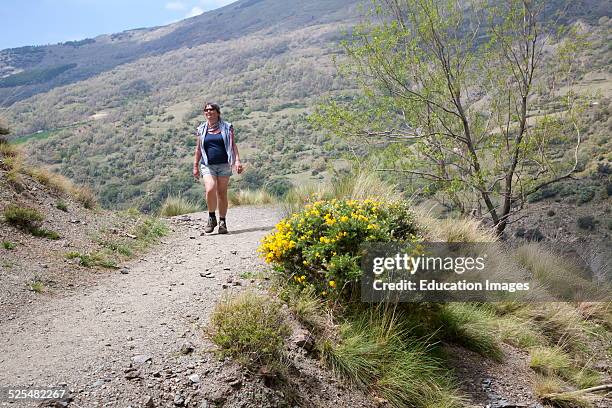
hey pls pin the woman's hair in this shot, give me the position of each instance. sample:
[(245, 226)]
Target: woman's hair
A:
[(214, 106)]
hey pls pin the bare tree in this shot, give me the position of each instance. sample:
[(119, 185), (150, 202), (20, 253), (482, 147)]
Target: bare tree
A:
[(453, 84)]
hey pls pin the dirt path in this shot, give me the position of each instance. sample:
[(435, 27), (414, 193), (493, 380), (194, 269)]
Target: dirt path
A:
[(88, 339)]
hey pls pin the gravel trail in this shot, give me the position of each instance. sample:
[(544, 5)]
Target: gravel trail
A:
[(147, 310)]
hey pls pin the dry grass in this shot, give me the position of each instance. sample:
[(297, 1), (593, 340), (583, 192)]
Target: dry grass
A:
[(250, 197), (54, 181), (85, 196), (552, 391), (359, 186), (550, 361), (563, 279), (177, 205), (11, 159), (453, 229), (560, 322)]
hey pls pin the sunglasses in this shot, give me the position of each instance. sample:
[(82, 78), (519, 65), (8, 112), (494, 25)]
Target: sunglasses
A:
[(210, 110)]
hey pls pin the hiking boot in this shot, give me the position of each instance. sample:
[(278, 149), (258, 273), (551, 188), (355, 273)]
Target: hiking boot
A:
[(222, 227), (210, 226)]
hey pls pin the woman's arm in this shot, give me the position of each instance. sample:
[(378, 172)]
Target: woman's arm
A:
[(236, 153), (197, 158)]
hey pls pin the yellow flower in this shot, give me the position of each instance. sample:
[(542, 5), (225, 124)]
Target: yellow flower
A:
[(344, 218), (332, 284)]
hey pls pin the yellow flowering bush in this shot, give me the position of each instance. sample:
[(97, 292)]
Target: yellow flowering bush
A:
[(319, 246)]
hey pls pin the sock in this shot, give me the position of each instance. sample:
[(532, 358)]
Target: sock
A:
[(212, 215)]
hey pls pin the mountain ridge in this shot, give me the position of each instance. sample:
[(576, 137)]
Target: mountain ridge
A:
[(30, 70)]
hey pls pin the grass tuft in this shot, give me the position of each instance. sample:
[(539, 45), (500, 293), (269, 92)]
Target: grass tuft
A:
[(250, 197), (551, 391), (250, 328), (556, 273), (61, 205), (8, 245), (177, 205), (52, 180), (22, 217), (91, 260), (85, 196), (550, 361), (471, 326), (308, 308), (378, 352), (36, 285)]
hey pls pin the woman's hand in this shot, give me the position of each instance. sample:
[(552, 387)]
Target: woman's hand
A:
[(239, 167), (196, 171)]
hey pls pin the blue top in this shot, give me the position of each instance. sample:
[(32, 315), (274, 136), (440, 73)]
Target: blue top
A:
[(227, 132), (214, 147)]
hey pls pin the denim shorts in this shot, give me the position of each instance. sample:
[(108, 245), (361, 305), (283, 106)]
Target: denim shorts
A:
[(222, 170)]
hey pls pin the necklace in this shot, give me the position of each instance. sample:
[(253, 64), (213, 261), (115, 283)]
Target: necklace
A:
[(213, 127)]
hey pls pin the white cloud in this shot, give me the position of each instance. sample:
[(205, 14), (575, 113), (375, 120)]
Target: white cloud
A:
[(196, 11), (175, 5)]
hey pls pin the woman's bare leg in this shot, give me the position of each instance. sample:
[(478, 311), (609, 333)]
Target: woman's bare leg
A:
[(222, 184), (210, 182)]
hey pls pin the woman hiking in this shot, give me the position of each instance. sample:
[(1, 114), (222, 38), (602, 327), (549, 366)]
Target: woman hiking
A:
[(215, 154)]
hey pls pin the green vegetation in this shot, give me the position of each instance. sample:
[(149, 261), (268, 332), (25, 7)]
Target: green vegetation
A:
[(61, 205), (142, 232), (36, 286), (8, 245), (177, 205), (373, 347), (551, 391), (378, 351), (414, 63), (319, 246), (22, 217), (250, 328), (28, 219), (549, 361), (470, 326), (91, 260), (35, 76)]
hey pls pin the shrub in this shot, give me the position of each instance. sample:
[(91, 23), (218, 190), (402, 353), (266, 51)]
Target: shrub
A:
[(319, 246), (44, 233), (587, 222), (586, 195), (177, 205), (22, 217), (250, 328), (278, 187), (546, 192)]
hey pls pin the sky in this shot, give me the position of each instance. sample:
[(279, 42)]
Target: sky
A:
[(40, 22)]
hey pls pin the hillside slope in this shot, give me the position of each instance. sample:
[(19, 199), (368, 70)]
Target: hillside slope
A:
[(27, 71)]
